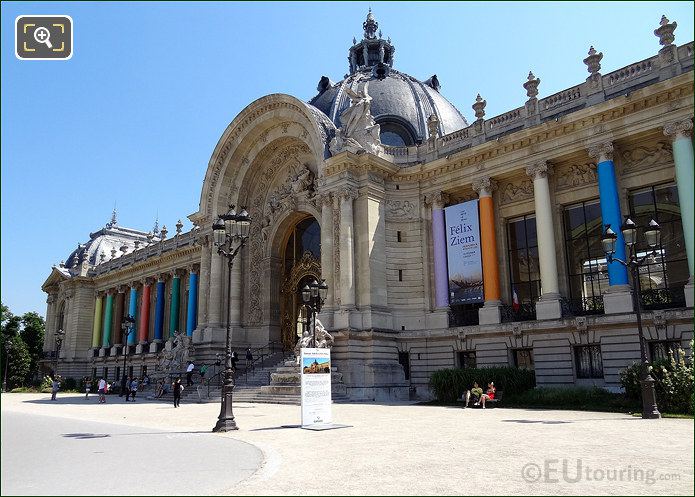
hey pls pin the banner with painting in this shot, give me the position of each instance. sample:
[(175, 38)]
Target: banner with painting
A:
[(463, 253)]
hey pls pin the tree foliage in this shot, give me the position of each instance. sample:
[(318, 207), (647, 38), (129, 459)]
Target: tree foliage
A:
[(21, 345)]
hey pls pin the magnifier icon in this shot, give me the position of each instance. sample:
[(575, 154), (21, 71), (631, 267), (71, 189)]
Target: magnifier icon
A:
[(43, 35)]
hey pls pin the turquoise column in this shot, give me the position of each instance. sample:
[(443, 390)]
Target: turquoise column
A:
[(610, 207), (191, 316), (159, 312), (681, 134), (108, 316), (175, 305), (132, 311)]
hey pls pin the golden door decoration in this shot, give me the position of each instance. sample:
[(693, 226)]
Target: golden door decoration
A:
[(290, 296)]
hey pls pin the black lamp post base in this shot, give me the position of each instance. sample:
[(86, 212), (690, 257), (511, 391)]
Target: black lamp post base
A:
[(225, 421), (649, 409), (225, 425)]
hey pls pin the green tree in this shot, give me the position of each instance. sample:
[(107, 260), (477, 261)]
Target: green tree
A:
[(19, 363), (33, 332)]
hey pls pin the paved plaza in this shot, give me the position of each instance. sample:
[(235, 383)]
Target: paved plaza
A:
[(55, 447)]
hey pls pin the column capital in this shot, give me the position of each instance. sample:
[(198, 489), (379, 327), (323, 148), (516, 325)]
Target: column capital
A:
[(147, 281), (122, 288), (193, 268), (436, 199), (540, 169), (177, 273), (677, 129), (348, 193), (601, 152), (484, 186), (326, 198)]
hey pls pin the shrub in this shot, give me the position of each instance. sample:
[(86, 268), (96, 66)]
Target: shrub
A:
[(448, 385), (673, 383), (576, 398), (68, 384)]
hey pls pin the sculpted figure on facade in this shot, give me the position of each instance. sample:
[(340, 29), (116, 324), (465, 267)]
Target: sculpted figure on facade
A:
[(359, 132), (324, 340)]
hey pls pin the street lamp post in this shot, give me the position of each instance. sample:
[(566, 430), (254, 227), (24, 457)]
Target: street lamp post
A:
[(127, 326), (230, 233), (8, 347), (314, 295), (59, 337), (652, 235)]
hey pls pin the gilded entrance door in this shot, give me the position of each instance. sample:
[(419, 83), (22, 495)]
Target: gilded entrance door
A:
[(302, 264)]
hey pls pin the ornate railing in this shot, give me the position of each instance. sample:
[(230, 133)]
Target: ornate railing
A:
[(260, 355), (504, 119), (463, 316), (629, 72), (662, 298), (561, 98), (583, 306), (525, 312)]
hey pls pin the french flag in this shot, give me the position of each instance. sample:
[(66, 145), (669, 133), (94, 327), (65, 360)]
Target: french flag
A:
[(516, 305)]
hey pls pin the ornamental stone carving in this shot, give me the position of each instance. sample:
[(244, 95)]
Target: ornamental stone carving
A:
[(645, 157), (479, 107), (665, 31), (576, 175), (539, 170), (347, 194), (531, 86), (358, 133), (436, 199), (400, 209), (484, 186), (515, 191), (593, 61), (601, 151), (680, 128)]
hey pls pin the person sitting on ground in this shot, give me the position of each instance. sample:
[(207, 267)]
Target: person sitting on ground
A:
[(476, 392), (489, 395)]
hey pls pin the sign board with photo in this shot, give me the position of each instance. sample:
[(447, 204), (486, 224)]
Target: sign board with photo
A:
[(463, 253), (315, 367)]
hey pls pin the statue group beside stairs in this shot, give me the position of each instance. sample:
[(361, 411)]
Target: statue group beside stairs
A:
[(324, 340), (173, 359)]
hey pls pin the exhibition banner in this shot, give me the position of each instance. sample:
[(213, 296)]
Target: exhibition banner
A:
[(463, 253), (315, 367)]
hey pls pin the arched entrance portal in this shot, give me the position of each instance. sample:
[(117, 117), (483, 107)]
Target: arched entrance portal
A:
[(301, 264)]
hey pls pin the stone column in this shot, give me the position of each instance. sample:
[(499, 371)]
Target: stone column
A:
[(490, 312), (50, 317), (144, 325), (132, 312), (617, 299), (327, 246), (681, 134), (441, 276), (548, 306), (204, 282), (108, 320), (234, 311), (191, 311), (217, 271), (347, 248), (175, 303), (159, 311), (96, 329), (118, 317)]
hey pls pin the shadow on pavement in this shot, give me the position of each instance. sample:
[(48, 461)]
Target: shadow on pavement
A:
[(537, 421)]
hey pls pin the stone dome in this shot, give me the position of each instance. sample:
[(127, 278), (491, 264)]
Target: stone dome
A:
[(401, 104)]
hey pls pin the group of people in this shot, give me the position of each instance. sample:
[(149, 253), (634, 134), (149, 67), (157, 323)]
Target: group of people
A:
[(479, 398), (163, 389)]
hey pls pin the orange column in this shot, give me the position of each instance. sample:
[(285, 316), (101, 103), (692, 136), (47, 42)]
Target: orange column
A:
[(143, 329), (488, 240)]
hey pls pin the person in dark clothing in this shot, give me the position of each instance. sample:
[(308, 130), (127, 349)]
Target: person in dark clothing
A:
[(249, 358), (234, 359), (124, 383), (178, 388)]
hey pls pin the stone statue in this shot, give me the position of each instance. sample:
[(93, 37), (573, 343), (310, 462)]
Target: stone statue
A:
[(324, 340), (358, 132), (303, 342), (175, 355)]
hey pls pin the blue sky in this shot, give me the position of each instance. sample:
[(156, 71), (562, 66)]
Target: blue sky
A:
[(134, 116)]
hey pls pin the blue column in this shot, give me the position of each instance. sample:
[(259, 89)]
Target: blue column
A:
[(132, 311), (191, 316), (159, 312), (610, 208)]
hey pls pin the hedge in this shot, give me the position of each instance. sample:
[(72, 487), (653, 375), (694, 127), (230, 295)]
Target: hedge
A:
[(449, 385)]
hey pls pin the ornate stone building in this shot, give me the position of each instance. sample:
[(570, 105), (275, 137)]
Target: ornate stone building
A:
[(351, 187)]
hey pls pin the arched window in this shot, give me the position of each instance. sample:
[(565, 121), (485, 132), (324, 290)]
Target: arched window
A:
[(394, 133), (305, 237)]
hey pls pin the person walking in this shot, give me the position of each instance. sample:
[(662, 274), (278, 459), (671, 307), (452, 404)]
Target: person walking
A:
[(87, 387), (127, 388), (101, 388), (133, 388), (203, 370), (189, 373), (124, 385), (55, 386), (178, 388), (249, 358)]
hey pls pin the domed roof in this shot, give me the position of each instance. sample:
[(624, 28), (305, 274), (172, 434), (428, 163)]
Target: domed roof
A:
[(112, 241), (401, 104)]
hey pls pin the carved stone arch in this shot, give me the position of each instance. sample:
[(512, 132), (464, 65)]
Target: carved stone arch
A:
[(229, 156)]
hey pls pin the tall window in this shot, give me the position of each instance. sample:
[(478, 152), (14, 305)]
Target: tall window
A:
[(586, 262), (524, 272), (404, 360), (662, 279), (665, 349), (306, 237), (588, 361)]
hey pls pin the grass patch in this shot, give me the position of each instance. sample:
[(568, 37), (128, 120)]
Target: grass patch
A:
[(667, 415)]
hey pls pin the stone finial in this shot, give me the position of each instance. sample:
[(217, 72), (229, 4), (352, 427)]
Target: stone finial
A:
[(61, 264), (102, 256), (682, 128), (531, 85), (179, 227), (601, 152), (665, 31), (484, 186), (123, 248), (137, 244), (540, 169), (593, 61), (150, 236), (433, 126), (354, 40), (370, 26), (113, 253), (479, 107), (163, 232)]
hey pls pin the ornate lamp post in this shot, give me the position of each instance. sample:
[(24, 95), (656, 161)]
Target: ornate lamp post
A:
[(230, 233), (314, 295), (128, 326), (652, 235), (8, 347), (59, 337)]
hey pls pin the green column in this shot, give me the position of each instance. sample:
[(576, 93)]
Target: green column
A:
[(681, 132), (108, 315), (96, 331), (175, 303)]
